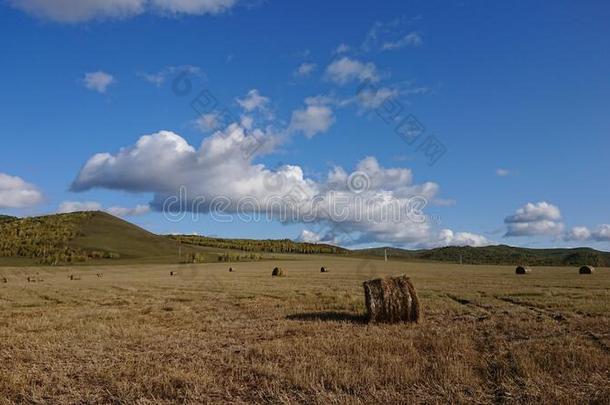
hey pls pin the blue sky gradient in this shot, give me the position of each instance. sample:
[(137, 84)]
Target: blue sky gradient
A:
[(517, 92)]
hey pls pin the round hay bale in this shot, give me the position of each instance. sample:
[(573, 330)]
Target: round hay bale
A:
[(522, 270), (4, 280), (324, 270), (391, 300), (586, 270), (230, 269), (278, 272)]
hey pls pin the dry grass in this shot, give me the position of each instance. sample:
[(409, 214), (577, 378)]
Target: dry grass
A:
[(138, 335)]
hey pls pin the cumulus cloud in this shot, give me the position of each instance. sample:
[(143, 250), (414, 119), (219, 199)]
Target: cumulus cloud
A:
[(208, 122), (582, 233), (342, 48), (253, 101), (309, 236), (371, 203), (76, 11), (305, 69), (447, 237), (345, 70), (534, 219), (317, 117), (79, 206), (16, 193), (98, 81)]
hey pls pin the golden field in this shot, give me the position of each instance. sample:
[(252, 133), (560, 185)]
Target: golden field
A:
[(205, 335)]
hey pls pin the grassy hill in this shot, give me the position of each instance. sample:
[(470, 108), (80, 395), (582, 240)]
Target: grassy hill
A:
[(500, 254), (265, 245), (87, 237), (6, 218)]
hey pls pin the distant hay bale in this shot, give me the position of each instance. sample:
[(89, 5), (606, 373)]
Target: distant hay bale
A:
[(523, 270), (324, 270), (391, 300), (278, 272), (230, 269), (586, 270), (171, 273), (4, 280)]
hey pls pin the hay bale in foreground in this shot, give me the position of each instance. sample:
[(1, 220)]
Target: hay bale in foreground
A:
[(586, 270), (278, 272), (324, 270), (391, 300), (523, 270)]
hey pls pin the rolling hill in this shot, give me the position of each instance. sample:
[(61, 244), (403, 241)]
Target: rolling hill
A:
[(86, 237), (98, 237), (500, 254)]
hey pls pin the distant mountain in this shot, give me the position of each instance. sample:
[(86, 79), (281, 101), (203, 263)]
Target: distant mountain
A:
[(501, 254)]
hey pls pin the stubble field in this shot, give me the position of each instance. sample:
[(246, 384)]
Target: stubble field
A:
[(206, 335)]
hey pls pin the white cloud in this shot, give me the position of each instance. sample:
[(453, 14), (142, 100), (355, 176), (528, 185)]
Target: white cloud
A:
[(579, 233), (305, 69), (208, 122), (392, 35), (317, 117), (76, 11), (411, 39), (532, 219), (253, 101), (138, 210), (16, 193), (371, 98), (80, 206), (161, 76), (98, 81), (194, 7), (309, 236), (503, 172), (345, 70), (447, 237), (219, 172), (582, 233)]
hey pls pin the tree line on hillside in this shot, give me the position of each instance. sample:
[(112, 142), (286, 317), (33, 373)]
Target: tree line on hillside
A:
[(268, 245), (47, 239)]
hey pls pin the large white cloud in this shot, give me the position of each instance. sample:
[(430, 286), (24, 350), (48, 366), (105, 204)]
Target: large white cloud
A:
[(16, 193), (75, 11), (534, 219), (371, 203)]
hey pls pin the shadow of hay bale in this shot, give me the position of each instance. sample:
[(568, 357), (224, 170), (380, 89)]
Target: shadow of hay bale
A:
[(329, 316), (391, 300)]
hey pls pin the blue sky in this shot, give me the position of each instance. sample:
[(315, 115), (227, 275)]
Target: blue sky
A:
[(515, 93)]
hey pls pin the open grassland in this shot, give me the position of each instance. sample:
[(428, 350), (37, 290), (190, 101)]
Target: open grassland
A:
[(206, 335)]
